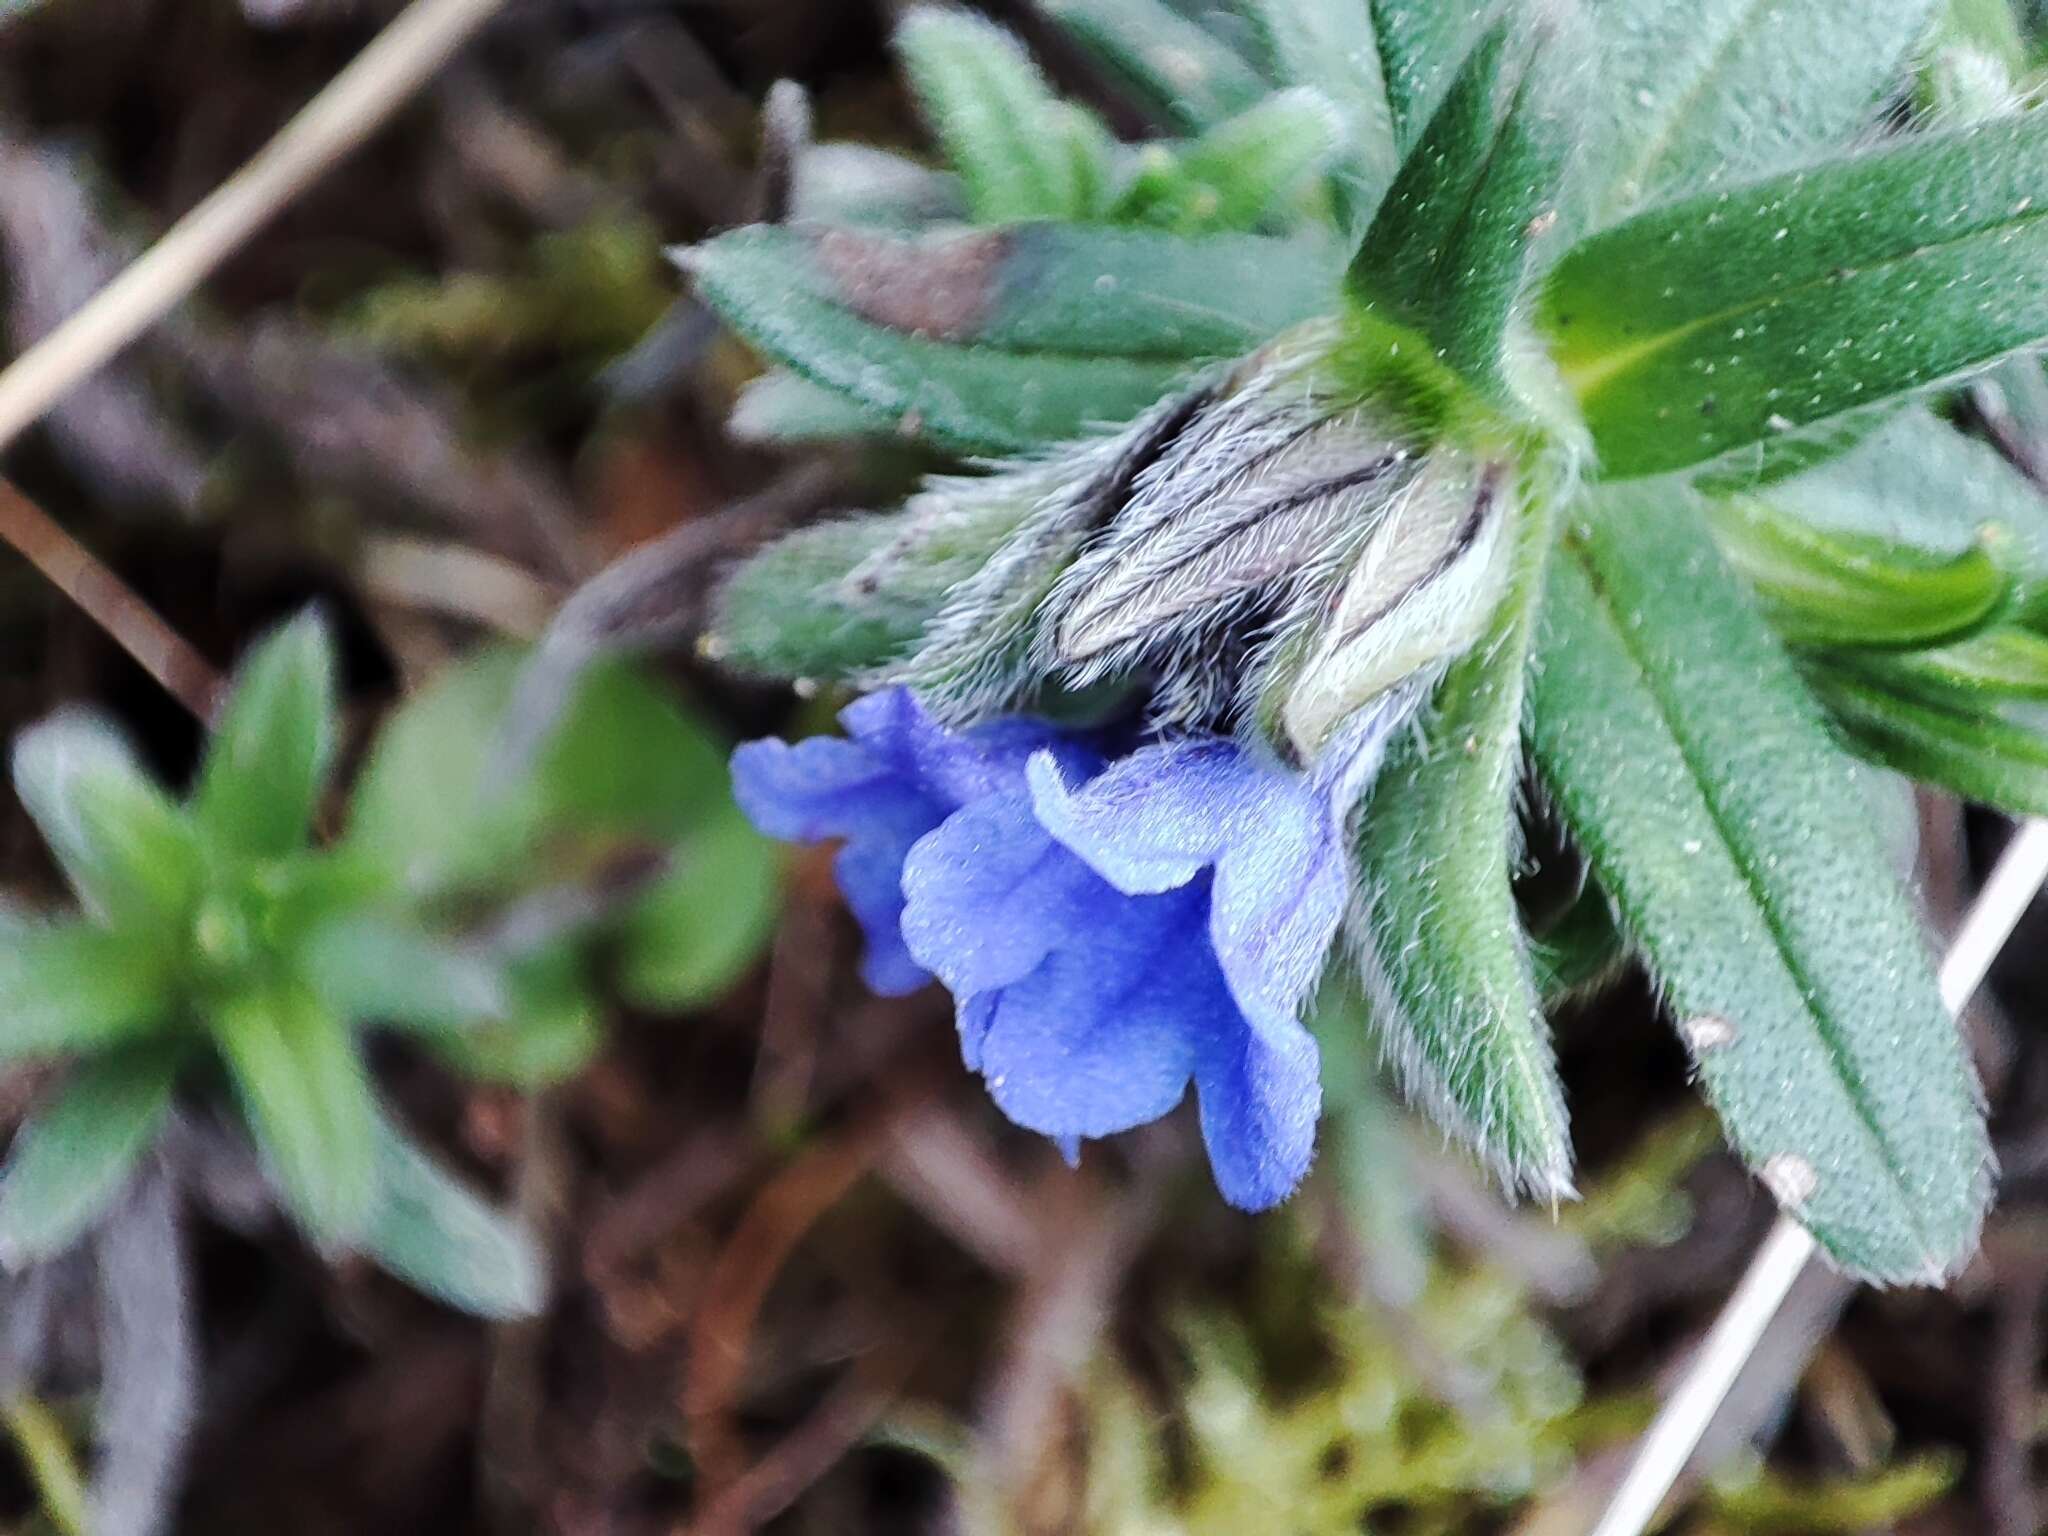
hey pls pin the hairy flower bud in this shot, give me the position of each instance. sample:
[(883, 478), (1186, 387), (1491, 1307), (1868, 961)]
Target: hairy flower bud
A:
[(1417, 591)]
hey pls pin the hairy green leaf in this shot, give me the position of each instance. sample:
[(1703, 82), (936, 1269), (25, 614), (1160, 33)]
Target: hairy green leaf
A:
[(1018, 148), (436, 1234), (76, 987), (129, 852), (1445, 254), (1722, 319), (998, 340), (271, 752), (1693, 771), (1420, 45), (842, 598), (1695, 91), (1454, 999), (75, 1154), (1177, 68), (306, 1093)]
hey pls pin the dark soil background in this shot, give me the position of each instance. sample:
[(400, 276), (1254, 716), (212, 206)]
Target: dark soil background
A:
[(806, 1279)]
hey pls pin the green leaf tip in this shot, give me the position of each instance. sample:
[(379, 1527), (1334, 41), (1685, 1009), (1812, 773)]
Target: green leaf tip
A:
[(274, 744)]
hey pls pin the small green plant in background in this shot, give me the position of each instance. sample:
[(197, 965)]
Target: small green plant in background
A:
[(1654, 319), (221, 946)]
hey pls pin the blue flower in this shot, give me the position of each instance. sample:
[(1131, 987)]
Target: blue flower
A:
[(1112, 931)]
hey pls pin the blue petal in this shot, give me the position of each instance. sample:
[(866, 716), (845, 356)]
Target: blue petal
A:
[(989, 895), (1106, 1033), (826, 788), (1261, 1094), (1154, 820), (897, 777)]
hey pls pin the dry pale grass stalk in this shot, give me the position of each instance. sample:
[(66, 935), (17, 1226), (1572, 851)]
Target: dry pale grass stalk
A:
[(395, 63)]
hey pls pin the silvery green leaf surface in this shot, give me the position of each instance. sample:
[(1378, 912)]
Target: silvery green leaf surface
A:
[(74, 986), (1445, 254), (1177, 68), (1021, 152), (996, 341), (2004, 662), (554, 1024), (839, 183), (271, 751), (1454, 998), (1690, 92), (1695, 773), (437, 1234), (305, 1091), (75, 1153), (130, 853), (1716, 321), (417, 809)]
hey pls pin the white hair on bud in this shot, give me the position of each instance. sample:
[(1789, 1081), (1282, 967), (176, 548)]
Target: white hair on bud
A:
[(977, 656)]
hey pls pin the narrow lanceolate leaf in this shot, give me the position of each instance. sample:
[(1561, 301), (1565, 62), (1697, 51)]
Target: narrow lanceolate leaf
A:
[(1444, 257), (1181, 71), (1964, 744), (1000, 340), (1824, 587), (435, 1233), (77, 987), (1454, 998), (1329, 46), (1420, 44), (271, 752), (74, 1155), (126, 849), (1014, 142), (1727, 317), (1689, 92), (1694, 772), (2002, 663), (306, 1093)]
